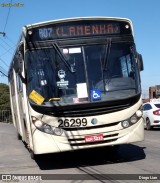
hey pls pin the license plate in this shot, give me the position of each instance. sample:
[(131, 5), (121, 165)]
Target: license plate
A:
[(94, 138)]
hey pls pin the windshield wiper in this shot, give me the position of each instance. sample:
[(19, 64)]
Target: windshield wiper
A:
[(58, 50), (104, 62), (106, 54)]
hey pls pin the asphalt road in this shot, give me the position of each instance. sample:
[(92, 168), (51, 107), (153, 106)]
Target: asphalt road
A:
[(139, 158)]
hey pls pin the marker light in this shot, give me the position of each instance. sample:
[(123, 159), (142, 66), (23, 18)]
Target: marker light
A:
[(38, 123), (127, 26), (30, 32), (139, 113)]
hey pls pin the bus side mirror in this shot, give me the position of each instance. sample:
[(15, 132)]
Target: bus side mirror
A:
[(18, 61), (140, 62), (18, 66)]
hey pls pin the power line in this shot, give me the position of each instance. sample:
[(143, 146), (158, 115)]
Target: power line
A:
[(10, 40), (7, 17), (4, 63), (5, 52), (6, 43), (3, 71), (5, 48), (3, 33)]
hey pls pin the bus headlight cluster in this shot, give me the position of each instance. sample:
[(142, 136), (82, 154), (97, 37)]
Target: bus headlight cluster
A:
[(125, 124), (132, 120), (40, 125)]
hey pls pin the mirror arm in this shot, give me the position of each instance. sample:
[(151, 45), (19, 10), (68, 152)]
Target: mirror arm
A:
[(22, 78)]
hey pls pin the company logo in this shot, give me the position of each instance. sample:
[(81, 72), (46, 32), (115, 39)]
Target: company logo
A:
[(6, 178), (94, 121)]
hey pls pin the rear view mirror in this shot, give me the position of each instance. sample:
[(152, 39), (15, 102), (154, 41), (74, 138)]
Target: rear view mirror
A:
[(18, 61), (140, 62), (18, 65)]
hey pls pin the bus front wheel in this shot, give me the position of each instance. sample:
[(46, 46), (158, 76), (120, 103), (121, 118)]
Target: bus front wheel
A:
[(32, 154), (19, 136)]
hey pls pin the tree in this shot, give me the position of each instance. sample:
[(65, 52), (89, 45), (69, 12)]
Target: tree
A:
[(4, 96), (5, 111)]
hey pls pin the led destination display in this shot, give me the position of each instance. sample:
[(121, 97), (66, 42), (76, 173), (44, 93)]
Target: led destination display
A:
[(80, 29)]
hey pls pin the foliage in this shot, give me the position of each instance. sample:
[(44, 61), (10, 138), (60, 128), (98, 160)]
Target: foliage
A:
[(5, 111), (4, 96)]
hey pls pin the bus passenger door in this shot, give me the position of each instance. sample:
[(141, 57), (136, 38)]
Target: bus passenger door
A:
[(21, 106)]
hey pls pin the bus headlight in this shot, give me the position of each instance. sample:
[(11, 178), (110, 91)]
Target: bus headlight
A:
[(40, 125), (47, 128), (58, 131), (125, 124), (132, 120)]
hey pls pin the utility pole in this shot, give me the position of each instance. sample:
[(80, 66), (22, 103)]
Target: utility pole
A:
[(3, 33)]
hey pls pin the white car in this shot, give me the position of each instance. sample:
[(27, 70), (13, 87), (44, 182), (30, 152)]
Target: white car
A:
[(151, 114)]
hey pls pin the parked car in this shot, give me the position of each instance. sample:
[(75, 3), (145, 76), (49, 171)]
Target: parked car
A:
[(151, 114)]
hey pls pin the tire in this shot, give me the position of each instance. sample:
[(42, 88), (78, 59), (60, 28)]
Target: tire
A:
[(32, 154), (148, 124), (19, 136)]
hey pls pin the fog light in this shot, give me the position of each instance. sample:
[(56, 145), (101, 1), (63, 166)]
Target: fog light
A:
[(125, 124)]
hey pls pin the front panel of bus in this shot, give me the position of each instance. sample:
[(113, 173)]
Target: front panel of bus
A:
[(83, 85)]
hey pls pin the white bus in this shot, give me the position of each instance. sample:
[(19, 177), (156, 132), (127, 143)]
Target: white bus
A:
[(75, 84)]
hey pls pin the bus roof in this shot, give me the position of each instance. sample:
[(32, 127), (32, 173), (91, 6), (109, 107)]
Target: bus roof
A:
[(30, 26)]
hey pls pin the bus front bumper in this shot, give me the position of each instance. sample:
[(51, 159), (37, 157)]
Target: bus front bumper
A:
[(46, 143)]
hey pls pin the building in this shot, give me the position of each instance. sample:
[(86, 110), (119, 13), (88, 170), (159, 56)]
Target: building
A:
[(154, 91)]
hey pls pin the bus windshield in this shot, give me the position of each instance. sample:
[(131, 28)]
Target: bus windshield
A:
[(86, 73)]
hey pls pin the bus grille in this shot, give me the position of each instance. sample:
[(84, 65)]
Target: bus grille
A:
[(91, 127), (81, 141)]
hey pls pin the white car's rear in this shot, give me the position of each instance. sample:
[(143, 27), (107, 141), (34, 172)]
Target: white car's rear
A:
[(151, 114)]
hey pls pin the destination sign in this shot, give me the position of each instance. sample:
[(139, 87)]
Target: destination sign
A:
[(79, 29)]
